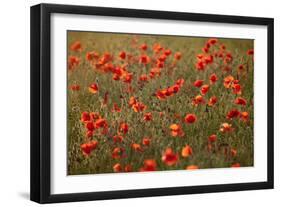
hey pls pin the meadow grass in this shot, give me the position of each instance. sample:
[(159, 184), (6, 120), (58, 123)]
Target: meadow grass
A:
[(209, 118)]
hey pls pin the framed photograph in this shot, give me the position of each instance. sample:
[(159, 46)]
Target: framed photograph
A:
[(133, 103)]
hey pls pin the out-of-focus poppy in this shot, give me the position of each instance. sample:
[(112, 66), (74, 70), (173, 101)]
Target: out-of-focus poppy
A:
[(85, 116), (236, 165), (118, 153), (124, 128), (117, 167), (76, 46), (143, 46), (212, 101), (147, 116), (236, 88), (190, 118), (186, 151), (250, 52), (149, 165), (192, 167), (177, 55), (136, 147), (233, 152), (128, 168), (213, 78), (212, 138), (244, 116), (233, 113), (176, 130), (73, 61), (228, 81), (240, 101), (122, 55), (169, 157), (92, 56), (88, 147), (226, 127), (204, 89), (144, 59), (146, 141), (117, 138), (93, 88), (198, 100)]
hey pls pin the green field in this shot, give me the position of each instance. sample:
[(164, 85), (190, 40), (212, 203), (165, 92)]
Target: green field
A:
[(233, 146)]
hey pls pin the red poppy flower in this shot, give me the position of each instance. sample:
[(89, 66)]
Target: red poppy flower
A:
[(186, 151), (138, 107), (155, 72), (225, 127), (177, 56), (92, 55), (117, 167), (212, 41), (118, 153), (72, 62), (100, 123), (237, 89), (128, 168), (213, 78), (90, 126), (241, 67), (146, 141), (198, 100), (212, 101), (116, 108), (233, 152), (93, 88), (234, 113), (240, 101), (169, 157), (122, 55), (85, 116), (143, 46), (149, 165), (228, 81), (136, 147), (204, 89), (167, 52), (235, 165), (180, 82), (95, 116), (192, 167), (89, 134), (132, 101), (250, 52), (198, 83), (200, 65), (88, 147), (176, 130), (190, 118), (212, 138), (118, 138), (127, 78), (244, 116), (144, 59), (124, 128), (76, 46), (143, 78), (147, 116)]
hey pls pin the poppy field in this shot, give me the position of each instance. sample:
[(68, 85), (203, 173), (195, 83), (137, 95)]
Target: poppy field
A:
[(140, 103)]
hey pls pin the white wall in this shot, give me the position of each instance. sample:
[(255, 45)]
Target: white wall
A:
[(14, 101)]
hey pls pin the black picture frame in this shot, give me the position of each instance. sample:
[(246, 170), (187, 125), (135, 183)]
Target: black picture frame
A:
[(41, 96)]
